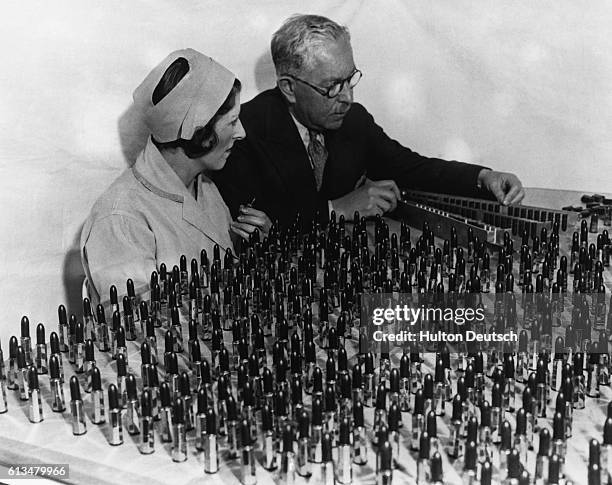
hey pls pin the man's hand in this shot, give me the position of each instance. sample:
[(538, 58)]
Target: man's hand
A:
[(249, 220), (372, 198), (506, 187)]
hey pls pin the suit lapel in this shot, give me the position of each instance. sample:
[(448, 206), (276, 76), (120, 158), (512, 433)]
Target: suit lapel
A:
[(289, 155)]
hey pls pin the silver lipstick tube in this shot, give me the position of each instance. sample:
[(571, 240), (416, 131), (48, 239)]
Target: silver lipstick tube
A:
[(173, 381), (248, 475), (211, 454), (115, 437), (79, 358), (316, 444), (26, 343), (132, 417), (232, 438), (42, 366), (200, 431), (327, 473), (287, 468), (269, 451), (24, 380), (88, 368), (179, 443), (303, 464), (166, 431), (418, 425), (147, 435), (63, 336), (89, 327), (130, 328), (3, 403), (177, 333), (112, 336), (97, 401), (369, 390), (103, 339), (189, 415), (345, 465), (79, 425), (12, 374), (35, 411), (122, 390), (360, 446), (58, 403)]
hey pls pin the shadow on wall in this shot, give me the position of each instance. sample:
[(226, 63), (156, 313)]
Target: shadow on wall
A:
[(73, 276), (265, 74)]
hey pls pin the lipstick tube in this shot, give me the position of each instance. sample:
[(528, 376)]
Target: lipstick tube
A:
[(13, 369), (200, 419), (112, 333), (101, 328), (62, 328), (35, 411), (79, 425), (57, 389), (384, 475), (132, 417), (165, 413), (89, 324), (327, 476), (177, 331), (26, 341), (3, 403), (559, 446), (97, 396), (41, 351), (185, 389), (542, 459), (71, 338), (121, 379), (345, 455), (128, 319), (360, 445), (147, 425), (231, 424), (303, 443), (179, 442), (248, 475), (211, 450), (121, 348), (89, 364), (115, 424), (23, 375), (456, 442), (418, 420), (287, 467), (268, 443), (369, 381), (423, 468), (79, 342)]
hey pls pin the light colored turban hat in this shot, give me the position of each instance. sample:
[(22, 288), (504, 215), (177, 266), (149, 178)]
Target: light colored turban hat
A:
[(193, 101)]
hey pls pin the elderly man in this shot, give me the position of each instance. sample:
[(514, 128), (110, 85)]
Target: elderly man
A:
[(310, 149)]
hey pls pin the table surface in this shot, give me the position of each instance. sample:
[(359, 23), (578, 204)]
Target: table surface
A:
[(92, 460)]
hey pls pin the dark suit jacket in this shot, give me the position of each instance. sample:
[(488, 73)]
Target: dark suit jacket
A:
[(271, 164)]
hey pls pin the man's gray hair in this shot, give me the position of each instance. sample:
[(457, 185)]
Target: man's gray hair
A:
[(294, 44)]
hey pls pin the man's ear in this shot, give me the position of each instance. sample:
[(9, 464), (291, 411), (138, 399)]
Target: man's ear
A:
[(287, 87)]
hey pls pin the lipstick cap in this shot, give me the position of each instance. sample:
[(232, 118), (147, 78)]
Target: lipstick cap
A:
[(470, 455), (113, 397), (75, 389), (327, 447), (145, 403), (40, 334), (25, 326), (96, 379), (54, 370), (33, 378)]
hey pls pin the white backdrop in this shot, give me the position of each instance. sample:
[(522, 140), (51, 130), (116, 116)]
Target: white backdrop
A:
[(521, 86)]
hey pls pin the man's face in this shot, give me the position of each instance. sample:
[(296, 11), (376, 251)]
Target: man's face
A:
[(333, 62)]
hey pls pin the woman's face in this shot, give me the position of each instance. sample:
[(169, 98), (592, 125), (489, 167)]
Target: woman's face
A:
[(228, 129)]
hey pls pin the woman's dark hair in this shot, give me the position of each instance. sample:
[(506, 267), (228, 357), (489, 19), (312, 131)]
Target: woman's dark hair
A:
[(204, 139)]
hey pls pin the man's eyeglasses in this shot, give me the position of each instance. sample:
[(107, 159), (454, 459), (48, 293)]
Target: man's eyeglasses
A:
[(336, 88)]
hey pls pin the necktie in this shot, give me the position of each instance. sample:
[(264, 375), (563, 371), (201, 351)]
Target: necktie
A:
[(318, 155)]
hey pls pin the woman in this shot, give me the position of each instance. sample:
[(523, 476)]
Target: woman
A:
[(165, 205)]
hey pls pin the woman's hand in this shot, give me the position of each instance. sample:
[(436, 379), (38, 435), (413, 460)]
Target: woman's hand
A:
[(249, 220)]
